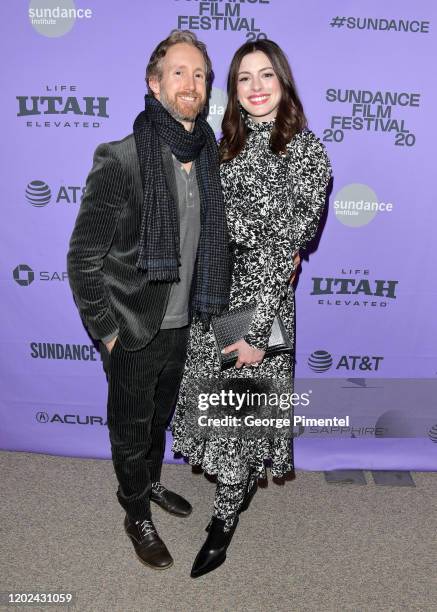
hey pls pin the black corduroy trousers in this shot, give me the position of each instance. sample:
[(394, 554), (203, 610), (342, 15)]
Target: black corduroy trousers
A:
[(142, 390)]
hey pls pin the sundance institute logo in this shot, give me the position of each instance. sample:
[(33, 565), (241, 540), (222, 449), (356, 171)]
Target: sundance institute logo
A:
[(54, 18), (38, 193), (356, 205), (23, 275)]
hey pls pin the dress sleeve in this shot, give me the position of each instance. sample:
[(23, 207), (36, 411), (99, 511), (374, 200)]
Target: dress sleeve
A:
[(312, 172), (285, 234)]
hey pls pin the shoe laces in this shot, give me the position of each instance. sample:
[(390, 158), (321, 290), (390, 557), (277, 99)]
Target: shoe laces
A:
[(146, 527), (158, 487)]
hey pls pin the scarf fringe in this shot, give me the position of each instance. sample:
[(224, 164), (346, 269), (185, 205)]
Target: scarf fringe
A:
[(171, 276)]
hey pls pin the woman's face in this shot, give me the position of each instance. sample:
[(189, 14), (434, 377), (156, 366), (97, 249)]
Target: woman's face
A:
[(258, 88)]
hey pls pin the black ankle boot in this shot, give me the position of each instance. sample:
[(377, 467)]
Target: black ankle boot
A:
[(213, 552)]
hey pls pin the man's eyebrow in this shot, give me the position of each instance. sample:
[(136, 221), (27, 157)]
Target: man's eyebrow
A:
[(173, 66)]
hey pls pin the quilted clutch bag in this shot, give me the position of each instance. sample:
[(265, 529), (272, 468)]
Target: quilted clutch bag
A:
[(234, 325)]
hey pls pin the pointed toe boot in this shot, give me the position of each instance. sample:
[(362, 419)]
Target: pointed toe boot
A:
[(213, 552)]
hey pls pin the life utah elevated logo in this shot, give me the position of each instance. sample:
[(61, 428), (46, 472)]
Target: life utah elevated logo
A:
[(62, 106), (354, 288)]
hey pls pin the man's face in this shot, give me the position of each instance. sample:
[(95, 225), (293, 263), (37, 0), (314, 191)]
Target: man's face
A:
[(182, 87)]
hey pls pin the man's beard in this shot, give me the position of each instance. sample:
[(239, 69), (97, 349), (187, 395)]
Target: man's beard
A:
[(179, 112)]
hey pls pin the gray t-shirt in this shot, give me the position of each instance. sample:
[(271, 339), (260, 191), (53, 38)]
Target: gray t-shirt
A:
[(177, 314)]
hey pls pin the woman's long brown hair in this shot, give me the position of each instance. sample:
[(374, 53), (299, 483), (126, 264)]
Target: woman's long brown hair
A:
[(290, 118)]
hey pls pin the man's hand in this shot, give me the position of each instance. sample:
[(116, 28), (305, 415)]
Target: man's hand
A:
[(247, 355), (110, 345), (296, 261)]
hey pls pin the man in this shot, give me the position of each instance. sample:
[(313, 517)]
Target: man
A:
[(148, 251)]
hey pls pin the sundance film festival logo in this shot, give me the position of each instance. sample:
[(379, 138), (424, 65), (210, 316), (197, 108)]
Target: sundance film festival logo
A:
[(61, 107), (24, 276), (228, 16), (39, 194), (357, 204), (365, 110), (354, 287), (54, 18), (321, 361)]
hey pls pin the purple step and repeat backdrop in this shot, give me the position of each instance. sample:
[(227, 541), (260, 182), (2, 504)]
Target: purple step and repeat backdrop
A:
[(73, 76)]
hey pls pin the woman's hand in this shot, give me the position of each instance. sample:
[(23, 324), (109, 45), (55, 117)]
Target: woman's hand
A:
[(296, 261), (247, 355)]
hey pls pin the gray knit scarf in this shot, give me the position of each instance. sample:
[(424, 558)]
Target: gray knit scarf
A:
[(159, 248)]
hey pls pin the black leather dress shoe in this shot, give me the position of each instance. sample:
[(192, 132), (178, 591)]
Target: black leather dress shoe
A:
[(149, 547), (170, 501), (213, 552)]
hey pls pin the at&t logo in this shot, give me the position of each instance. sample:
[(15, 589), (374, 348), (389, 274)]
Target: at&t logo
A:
[(321, 361), (433, 433), (39, 194)]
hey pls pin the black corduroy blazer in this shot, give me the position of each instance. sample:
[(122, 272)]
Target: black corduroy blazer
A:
[(109, 290)]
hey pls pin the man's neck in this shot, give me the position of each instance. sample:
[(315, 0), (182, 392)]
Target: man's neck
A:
[(188, 125)]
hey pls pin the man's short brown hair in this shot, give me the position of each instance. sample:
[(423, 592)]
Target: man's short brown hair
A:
[(154, 68)]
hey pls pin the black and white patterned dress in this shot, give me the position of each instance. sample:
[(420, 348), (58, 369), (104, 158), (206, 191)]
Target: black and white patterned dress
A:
[(273, 207)]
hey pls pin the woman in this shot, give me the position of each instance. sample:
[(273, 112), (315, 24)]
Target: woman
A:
[(274, 177)]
